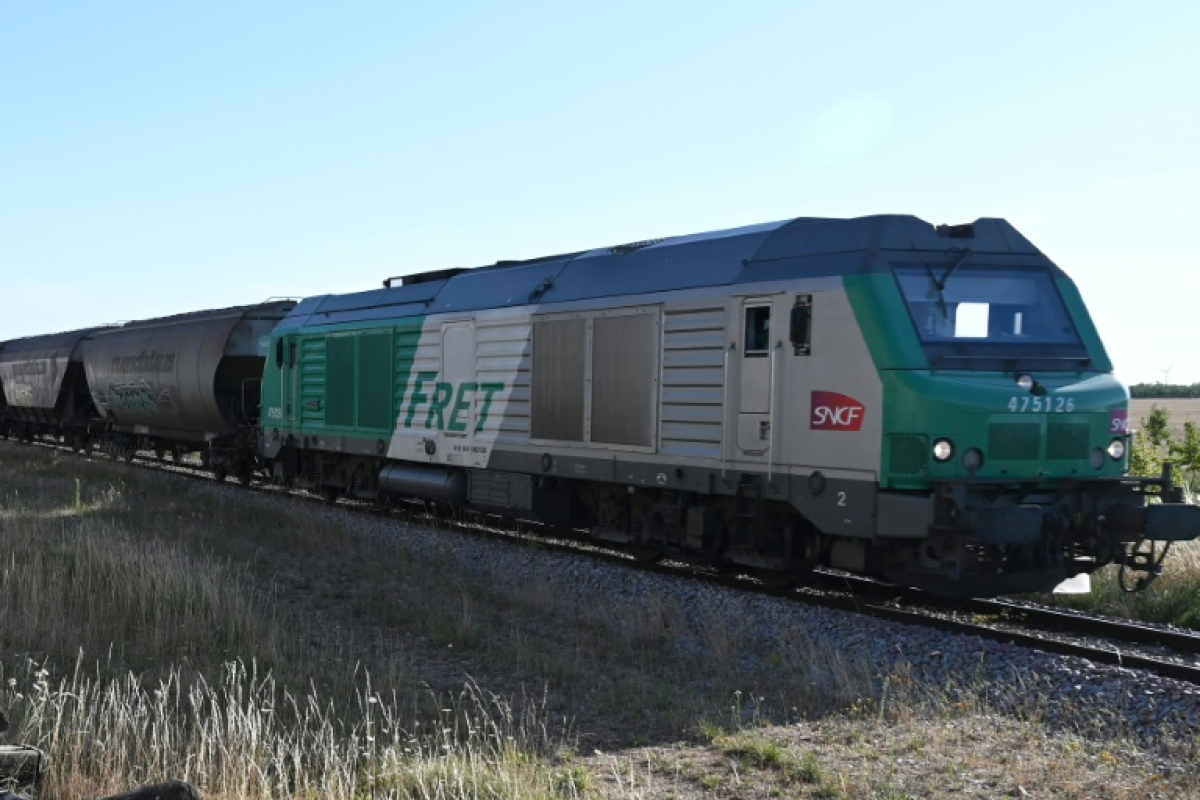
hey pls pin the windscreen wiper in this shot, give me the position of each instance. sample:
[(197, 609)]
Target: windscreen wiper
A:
[(939, 284)]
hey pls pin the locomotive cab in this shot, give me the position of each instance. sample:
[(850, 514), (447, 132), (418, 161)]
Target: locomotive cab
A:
[(1005, 431)]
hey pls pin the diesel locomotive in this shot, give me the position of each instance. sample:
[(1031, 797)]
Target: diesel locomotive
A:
[(930, 405)]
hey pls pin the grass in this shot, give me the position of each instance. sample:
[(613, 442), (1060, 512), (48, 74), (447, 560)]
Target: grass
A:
[(244, 737), (1172, 599), (156, 628), (148, 638)]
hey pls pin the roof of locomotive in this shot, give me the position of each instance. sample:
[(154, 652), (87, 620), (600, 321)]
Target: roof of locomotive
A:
[(795, 248)]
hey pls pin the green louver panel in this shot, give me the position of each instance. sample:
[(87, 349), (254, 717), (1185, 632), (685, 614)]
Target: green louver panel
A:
[(1067, 440), (375, 381), (312, 381), (909, 453), (1015, 441), (339, 380)]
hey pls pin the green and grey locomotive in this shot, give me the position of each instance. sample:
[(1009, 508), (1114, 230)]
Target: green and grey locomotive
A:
[(929, 405)]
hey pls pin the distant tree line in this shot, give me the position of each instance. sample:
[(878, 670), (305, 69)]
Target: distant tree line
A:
[(1164, 390)]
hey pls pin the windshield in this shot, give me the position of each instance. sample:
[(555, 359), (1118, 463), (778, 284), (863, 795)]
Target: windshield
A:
[(974, 304)]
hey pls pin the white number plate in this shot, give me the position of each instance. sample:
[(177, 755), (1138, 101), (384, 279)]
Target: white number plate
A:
[(1047, 405)]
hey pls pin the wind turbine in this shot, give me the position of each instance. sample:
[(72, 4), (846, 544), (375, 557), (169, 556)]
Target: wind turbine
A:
[(1167, 373)]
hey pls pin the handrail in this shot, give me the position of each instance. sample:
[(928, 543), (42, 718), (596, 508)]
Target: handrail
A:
[(725, 408), (245, 415), (771, 416)]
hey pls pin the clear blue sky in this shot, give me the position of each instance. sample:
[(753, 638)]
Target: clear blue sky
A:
[(164, 157)]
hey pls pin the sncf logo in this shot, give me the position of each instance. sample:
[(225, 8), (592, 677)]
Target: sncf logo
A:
[(832, 411)]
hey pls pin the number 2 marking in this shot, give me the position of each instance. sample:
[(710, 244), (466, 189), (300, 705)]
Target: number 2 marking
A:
[(841, 498)]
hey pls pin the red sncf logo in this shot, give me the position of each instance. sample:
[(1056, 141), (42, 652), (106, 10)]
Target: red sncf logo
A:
[(832, 411)]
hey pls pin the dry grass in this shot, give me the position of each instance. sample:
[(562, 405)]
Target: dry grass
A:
[(156, 628), (243, 737), (1174, 598), (968, 757)]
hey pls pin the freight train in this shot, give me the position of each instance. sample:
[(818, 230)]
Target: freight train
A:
[(929, 405)]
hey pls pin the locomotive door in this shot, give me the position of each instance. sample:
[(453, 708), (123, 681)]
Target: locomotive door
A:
[(289, 399), (459, 398), (756, 359)]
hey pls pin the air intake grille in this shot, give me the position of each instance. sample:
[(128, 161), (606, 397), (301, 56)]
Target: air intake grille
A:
[(1014, 441), (909, 453), (1067, 440)]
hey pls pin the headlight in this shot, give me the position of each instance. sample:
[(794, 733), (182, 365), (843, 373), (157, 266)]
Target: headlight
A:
[(943, 449), (1116, 449), (1025, 382), (1096, 458), (972, 459)]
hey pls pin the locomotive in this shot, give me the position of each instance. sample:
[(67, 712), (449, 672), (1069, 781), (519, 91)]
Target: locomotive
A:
[(929, 405)]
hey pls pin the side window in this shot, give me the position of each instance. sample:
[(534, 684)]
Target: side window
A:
[(801, 325), (757, 340)]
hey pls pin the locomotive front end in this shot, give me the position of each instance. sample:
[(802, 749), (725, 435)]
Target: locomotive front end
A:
[(1006, 435)]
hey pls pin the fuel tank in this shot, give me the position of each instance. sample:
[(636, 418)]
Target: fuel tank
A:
[(194, 376)]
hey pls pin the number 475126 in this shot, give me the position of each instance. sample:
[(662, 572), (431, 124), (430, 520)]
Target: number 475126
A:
[(1049, 405)]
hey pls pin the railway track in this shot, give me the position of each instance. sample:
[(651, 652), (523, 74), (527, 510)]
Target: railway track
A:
[(1172, 653)]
